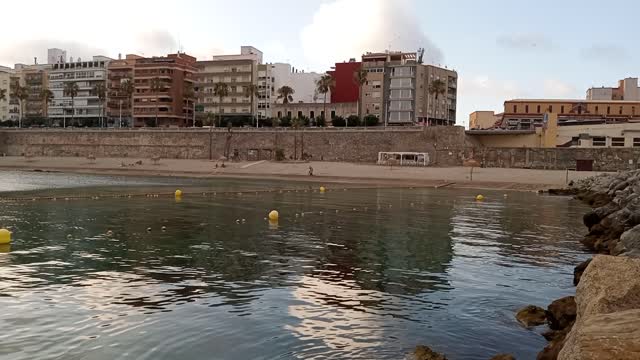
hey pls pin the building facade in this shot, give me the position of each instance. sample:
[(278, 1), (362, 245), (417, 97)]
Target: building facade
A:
[(56, 56), (397, 90), (237, 71), (85, 109), (315, 110), (36, 79), (5, 89), (627, 90), (303, 83), (346, 89), (480, 120), (266, 91), (164, 107)]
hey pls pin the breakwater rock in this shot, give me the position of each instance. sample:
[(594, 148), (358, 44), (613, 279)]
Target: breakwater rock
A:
[(603, 320)]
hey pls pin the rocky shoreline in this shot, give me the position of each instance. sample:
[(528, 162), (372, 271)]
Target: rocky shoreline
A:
[(602, 321)]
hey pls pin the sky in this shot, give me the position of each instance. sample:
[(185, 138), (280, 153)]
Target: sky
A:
[(501, 49)]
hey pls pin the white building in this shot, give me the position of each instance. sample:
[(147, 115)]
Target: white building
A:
[(86, 107), (303, 83), (627, 90), (56, 56)]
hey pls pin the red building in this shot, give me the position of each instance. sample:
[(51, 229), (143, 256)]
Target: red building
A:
[(346, 90)]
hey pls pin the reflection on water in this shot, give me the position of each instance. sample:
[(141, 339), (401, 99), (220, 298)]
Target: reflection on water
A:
[(362, 274)]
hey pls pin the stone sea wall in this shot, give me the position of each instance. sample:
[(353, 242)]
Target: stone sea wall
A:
[(443, 144), (446, 146)]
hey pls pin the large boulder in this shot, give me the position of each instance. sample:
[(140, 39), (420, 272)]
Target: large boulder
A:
[(579, 270), (610, 284), (607, 324), (503, 357), (561, 313), (422, 352), (605, 336), (629, 243), (531, 316)]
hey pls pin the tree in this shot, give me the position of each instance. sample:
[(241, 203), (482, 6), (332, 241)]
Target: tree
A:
[(251, 91), (156, 86), (370, 120), (353, 120), (285, 93), (338, 121), (71, 90), (360, 78), (21, 93), (436, 87), (128, 88), (47, 98), (323, 85), (221, 90), (100, 90), (3, 94), (190, 94)]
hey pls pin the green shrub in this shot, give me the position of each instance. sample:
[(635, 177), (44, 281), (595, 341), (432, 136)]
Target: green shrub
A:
[(338, 121)]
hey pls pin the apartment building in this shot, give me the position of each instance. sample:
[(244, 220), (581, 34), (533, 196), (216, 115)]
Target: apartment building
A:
[(164, 107), (399, 90), (238, 71), (346, 89), (86, 108), (266, 91), (5, 89), (303, 83), (627, 90), (36, 79)]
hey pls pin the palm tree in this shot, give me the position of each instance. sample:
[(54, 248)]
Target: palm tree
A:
[(221, 90), (190, 94), (323, 85), (360, 78), (100, 90), (21, 93), (128, 88), (436, 87), (156, 86), (71, 90), (286, 94), (47, 98), (251, 91)]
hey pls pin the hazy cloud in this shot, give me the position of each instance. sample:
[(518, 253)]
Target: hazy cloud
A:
[(344, 29), (157, 42), (558, 89), (25, 51), (525, 42), (606, 53)]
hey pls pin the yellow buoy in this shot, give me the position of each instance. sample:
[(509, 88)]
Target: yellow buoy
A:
[(273, 224), (5, 248), (178, 193), (5, 236), (479, 198), (322, 189), (274, 215)]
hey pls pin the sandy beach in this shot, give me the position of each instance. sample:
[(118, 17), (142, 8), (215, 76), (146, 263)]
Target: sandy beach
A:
[(329, 172)]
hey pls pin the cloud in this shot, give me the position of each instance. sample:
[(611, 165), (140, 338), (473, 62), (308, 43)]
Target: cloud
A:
[(606, 53), (525, 42), (558, 89), (344, 29), (482, 92), (157, 42), (25, 51)]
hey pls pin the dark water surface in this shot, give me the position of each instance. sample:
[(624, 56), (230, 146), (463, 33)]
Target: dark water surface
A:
[(406, 267)]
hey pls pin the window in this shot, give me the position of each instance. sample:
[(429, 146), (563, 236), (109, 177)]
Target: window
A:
[(401, 83), (400, 105), (333, 114), (620, 112), (562, 109), (617, 141), (608, 110), (233, 110), (636, 142), (526, 109), (401, 94), (550, 108), (234, 100), (299, 114), (538, 109), (376, 95), (312, 114), (515, 108), (596, 109), (289, 114), (599, 141)]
